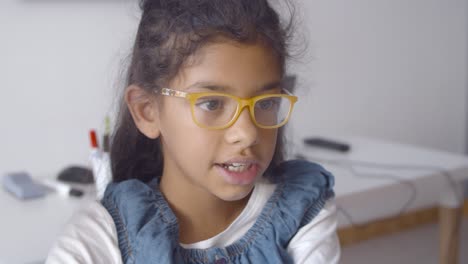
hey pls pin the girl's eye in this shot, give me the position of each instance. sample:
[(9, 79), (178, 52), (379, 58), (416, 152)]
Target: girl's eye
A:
[(267, 104), (210, 104)]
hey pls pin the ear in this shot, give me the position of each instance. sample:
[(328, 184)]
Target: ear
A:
[(144, 111)]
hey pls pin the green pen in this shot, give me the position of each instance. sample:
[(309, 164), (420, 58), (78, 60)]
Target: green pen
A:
[(106, 136)]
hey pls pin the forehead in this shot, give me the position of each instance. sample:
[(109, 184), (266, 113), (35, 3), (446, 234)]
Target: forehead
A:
[(240, 67)]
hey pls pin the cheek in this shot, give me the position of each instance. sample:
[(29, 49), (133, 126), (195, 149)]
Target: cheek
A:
[(185, 141), (176, 121), (177, 129), (268, 139)]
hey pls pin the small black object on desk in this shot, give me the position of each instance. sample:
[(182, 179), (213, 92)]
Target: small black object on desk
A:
[(327, 144), (76, 174)]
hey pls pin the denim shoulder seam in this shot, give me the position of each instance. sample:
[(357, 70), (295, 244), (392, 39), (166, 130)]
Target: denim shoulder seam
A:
[(312, 211)]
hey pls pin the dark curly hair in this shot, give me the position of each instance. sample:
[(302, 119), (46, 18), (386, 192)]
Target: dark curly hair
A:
[(169, 32)]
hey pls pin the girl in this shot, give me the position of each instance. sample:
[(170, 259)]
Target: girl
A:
[(196, 157)]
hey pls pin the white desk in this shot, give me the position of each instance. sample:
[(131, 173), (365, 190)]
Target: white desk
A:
[(369, 193), (29, 228)]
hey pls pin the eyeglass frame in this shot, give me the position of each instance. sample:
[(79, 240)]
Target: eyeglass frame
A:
[(241, 103)]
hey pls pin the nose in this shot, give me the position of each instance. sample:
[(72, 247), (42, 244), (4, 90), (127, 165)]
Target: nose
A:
[(243, 132)]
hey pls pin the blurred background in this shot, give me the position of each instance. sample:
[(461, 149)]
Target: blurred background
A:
[(391, 69)]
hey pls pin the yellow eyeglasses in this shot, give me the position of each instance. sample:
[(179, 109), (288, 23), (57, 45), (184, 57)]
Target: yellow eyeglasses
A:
[(213, 110)]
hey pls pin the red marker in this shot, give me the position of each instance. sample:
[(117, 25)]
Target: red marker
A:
[(93, 138)]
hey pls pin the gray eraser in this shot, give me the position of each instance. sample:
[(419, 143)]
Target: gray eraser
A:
[(22, 186)]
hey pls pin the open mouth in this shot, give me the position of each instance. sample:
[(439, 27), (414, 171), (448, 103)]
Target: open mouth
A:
[(239, 173), (236, 167)]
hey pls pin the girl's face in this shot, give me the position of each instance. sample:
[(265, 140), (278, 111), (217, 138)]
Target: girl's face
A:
[(221, 163)]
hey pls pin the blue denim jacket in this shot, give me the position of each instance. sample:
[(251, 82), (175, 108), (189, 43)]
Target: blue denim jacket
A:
[(148, 230)]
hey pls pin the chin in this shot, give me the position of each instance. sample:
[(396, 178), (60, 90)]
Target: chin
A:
[(236, 195)]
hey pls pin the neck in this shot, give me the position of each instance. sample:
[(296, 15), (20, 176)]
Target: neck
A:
[(201, 215)]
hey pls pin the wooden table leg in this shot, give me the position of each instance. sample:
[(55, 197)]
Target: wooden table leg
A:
[(449, 225)]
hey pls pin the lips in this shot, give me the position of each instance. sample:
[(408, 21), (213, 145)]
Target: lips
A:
[(236, 167), (239, 172)]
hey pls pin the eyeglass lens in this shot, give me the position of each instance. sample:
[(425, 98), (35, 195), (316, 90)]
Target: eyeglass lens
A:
[(217, 111)]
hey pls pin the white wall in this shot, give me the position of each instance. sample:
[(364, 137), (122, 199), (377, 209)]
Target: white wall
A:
[(394, 69), (59, 61)]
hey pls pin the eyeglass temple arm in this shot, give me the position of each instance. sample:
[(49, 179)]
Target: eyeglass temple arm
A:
[(171, 92), (287, 92)]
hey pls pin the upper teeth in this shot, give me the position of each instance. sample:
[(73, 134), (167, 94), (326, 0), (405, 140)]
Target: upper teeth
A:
[(236, 166)]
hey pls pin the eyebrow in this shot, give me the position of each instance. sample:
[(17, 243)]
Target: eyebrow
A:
[(225, 88)]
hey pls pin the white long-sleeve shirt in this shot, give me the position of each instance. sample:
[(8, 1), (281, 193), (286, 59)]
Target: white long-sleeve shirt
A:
[(91, 236)]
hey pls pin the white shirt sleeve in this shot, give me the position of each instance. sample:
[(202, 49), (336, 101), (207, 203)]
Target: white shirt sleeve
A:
[(90, 237), (317, 242)]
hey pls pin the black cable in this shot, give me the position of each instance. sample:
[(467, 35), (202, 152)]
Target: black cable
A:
[(351, 163), (406, 182), (447, 175)]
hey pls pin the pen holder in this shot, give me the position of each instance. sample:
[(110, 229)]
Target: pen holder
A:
[(100, 163)]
